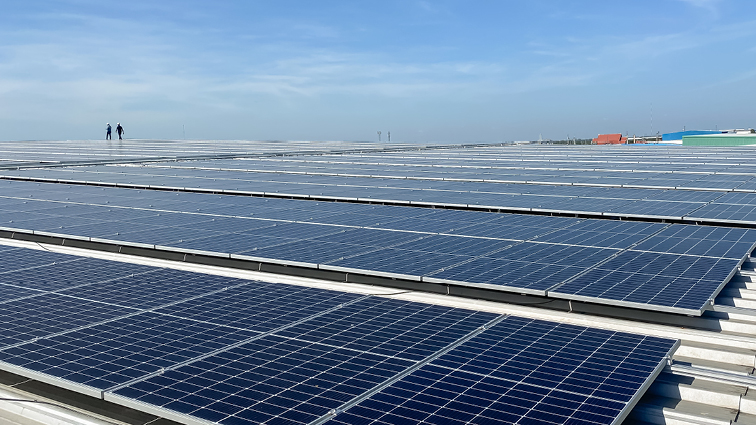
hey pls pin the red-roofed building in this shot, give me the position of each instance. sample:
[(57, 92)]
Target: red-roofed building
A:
[(610, 139)]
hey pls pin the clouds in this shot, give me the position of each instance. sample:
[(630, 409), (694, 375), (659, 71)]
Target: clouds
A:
[(704, 4), (343, 68)]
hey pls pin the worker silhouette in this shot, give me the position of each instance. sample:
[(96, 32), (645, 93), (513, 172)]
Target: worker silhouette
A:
[(107, 136), (120, 131)]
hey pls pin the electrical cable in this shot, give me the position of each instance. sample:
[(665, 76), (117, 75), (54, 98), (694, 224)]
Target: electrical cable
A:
[(21, 400)]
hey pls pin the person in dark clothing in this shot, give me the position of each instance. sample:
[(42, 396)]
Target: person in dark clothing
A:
[(120, 131), (107, 136)]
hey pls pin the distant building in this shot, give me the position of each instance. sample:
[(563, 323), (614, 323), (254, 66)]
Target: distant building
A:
[(677, 137), (610, 139), (729, 138)]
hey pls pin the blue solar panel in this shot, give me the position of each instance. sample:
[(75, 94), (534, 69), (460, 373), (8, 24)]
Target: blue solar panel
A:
[(658, 208), (390, 327), (118, 351), (154, 289), (456, 245), (563, 255), (55, 277), (270, 380), (521, 371), (19, 259), (9, 293), (509, 274), (399, 261), (259, 306), (25, 319), (651, 279), (726, 212), (701, 247), (370, 237), (311, 251)]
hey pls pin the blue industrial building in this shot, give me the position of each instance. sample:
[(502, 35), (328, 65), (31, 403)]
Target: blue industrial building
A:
[(678, 136)]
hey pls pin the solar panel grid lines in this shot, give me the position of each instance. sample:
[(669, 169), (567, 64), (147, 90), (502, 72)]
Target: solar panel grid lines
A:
[(605, 374), (659, 291), (279, 379), (10, 293), (390, 327), (165, 288), (49, 314), (396, 378), (58, 278), (609, 258), (111, 353), (17, 260), (228, 347), (260, 308)]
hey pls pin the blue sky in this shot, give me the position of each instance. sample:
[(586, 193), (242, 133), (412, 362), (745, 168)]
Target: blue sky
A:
[(458, 71)]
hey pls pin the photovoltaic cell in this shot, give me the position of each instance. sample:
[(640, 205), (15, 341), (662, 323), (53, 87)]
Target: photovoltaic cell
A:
[(390, 327), (154, 289), (8, 293), (391, 260), (310, 251), (46, 314), (59, 276), (512, 274), (270, 380), (663, 280), (259, 306), (19, 259), (118, 351), (521, 371)]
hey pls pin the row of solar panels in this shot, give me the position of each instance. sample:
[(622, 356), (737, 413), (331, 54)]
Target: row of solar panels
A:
[(680, 157), (478, 170), (698, 206), (663, 267), (452, 178), (49, 152), (651, 159), (202, 348)]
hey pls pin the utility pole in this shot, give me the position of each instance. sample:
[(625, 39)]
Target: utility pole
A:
[(183, 131), (652, 118), (379, 136), (389, 136)]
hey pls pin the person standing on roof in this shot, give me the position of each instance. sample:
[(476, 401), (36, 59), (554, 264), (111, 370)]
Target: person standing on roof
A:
[(120, 131), (107, 136)]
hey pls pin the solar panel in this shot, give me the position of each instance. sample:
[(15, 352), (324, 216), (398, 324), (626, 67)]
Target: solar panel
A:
[(267, 379), (397, 262), (259, 306), (154, 288), (390, 327), (662, 282), (311, 251), (19, 259), (521, 371), (70, 274), (10, 293), (26, 319), (118, 351)]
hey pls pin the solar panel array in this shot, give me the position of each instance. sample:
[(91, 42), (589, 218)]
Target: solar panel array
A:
[(705, 193), (570, 258), (204, 349), (55, 152), (196, 347)]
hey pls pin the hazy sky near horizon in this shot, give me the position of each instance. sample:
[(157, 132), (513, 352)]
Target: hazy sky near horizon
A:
[(425, 70)]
